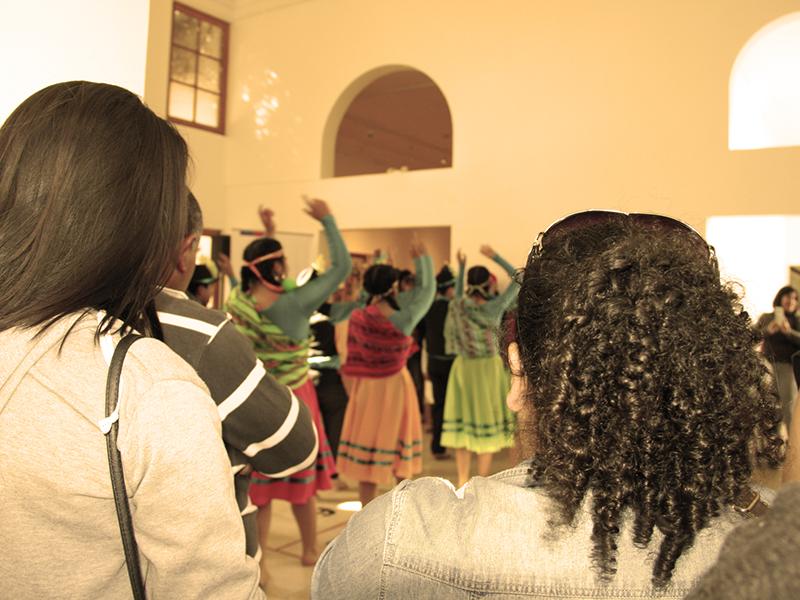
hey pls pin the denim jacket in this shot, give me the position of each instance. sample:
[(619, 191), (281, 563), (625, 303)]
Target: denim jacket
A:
[(491, 539)]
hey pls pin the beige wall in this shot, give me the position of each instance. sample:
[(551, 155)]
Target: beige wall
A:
[(398, 242), (557, 106), (207, 150)]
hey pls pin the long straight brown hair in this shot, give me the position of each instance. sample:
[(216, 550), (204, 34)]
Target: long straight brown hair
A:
[(92, 205)]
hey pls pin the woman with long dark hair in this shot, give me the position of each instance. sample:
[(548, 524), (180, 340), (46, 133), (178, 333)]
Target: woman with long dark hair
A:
[(92, 215), (276, 318), (640, 395)]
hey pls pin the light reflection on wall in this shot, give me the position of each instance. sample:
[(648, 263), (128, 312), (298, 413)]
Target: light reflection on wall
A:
[(756, 251), (765, 88), (262, 97)]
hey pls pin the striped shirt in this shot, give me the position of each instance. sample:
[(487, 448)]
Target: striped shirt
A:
[(263, 423)]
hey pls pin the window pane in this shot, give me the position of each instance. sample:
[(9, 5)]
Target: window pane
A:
[(184, 65), (211, 39), (181, 101), (209, 74), (207, 109), (184, 30)]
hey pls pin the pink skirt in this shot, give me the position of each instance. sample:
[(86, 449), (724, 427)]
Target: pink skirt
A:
[(299, 487)]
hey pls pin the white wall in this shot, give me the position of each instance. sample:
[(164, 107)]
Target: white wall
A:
[(765, 88), (756, 252), (48, 41), (557, 107)]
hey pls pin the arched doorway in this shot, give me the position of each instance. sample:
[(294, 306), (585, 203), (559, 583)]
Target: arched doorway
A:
[(392, 118)]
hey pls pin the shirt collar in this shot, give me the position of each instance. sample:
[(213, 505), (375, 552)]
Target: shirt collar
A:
[(175, 293)]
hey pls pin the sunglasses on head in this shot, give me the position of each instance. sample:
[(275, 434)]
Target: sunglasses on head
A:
[(648, 222)]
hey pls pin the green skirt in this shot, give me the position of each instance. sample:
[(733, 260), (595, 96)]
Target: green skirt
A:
[(476, 416)]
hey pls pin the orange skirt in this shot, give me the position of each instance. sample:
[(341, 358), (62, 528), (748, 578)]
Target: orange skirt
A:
[(382, 432)]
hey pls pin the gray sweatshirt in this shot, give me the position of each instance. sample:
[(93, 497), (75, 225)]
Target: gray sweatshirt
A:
[(58, 528)]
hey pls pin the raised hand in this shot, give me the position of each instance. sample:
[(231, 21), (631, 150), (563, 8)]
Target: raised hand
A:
[(266, 215), (316, 208), (488, 251), (461, 257), (418, 249), (224, 263)]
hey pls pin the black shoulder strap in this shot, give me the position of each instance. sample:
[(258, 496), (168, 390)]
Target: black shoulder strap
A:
[(115, 466)]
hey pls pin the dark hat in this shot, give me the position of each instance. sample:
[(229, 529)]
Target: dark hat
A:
[(445, 279)]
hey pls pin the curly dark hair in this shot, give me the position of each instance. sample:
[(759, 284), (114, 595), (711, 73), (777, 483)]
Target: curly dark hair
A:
[(645, 387), (379, 281)]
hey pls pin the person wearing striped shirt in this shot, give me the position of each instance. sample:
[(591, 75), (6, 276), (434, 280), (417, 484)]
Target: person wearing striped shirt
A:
[(264, 426)]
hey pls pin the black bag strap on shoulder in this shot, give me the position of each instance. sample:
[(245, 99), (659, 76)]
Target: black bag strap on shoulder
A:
[(115, 466)]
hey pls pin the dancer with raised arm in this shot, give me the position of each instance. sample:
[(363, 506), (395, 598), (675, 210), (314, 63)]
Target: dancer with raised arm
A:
[(382, 432), (476, 418), (276, 320)]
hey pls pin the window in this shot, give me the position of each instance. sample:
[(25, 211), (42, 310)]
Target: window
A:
[(765, 88), (198, 65)]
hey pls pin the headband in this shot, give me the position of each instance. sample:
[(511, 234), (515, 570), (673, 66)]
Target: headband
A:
[(252, 266), (272, 255), (446, 284)]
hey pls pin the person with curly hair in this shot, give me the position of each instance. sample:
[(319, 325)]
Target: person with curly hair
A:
[(640, 394)]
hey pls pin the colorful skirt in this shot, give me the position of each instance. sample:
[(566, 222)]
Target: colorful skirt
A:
[(382, 432), (476, 416), (299, 487)]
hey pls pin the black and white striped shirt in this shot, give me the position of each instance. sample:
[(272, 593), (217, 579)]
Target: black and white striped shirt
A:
[(263, 423)]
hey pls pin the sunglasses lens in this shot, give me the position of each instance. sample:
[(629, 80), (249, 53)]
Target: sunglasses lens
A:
[(578, 221), (651, 222), (662, 223)]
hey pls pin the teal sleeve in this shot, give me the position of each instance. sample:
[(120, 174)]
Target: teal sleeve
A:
[(507, 266), (497, 306), (292, 310), (405, 298), (233, 281), (310, 296), (407, 318), (341, 311), (460, 281)]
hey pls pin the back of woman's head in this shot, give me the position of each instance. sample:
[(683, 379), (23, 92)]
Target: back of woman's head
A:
[(645, 391), (478, 281), (379, 279), (270, 270), (784, 291), (92, 204), (445, 279)]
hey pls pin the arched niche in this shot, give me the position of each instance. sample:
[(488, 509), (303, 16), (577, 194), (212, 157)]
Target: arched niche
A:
[(391, 118), (764, 92)]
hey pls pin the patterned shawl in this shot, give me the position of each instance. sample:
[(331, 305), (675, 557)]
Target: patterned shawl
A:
[(284, 358), (375, 347), (469, 331)]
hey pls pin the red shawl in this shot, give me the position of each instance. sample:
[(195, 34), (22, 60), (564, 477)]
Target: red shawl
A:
[(375, 347)]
